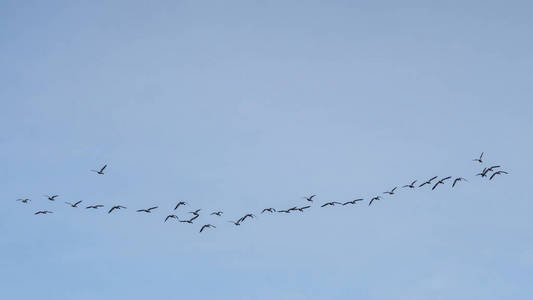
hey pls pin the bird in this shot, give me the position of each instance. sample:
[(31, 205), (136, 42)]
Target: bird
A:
[(483, 173), (194, 218), (375, 198), (74, 204), (391, 192), (497, 173), (236, 223), (148, 210), (330, 203), (217, 213), (441, 182), (95, 206), (43, 212), (101, 171), (51, 198), (284, 211), (428, 181), (458, 179), (270, 210), (352, 202), (190, 220), (492, 168), (480, 160), (411, 186), (195, 212), (251, 216), (180, 203), (302, 208), (207, 226), (310, 198), (24, 200), (293, 208), (171, 216), (115, 207)]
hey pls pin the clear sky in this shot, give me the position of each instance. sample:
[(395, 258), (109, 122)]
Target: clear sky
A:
[(241, 105)]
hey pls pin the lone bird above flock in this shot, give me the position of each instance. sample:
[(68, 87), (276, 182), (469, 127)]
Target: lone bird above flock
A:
[(480, 159), (310, 198), (43, 212), (411, 186), (180, 203), (148, 210), (441, 182), (116, 207), (391, 192), (51, 198), (428, 181), (101, 171), (352, 202), (207, 226), (74, 204), (95, 206)]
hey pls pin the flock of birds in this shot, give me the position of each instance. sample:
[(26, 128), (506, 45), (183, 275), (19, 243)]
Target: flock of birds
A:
[(490, 172)]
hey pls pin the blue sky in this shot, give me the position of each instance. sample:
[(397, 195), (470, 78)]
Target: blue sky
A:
[(241, 105)]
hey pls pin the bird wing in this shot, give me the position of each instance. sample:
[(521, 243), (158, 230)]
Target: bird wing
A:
[(153, 207), (432, 178), (446, 178), (112, 208), (435, 185), (103, 168), (77, 203)]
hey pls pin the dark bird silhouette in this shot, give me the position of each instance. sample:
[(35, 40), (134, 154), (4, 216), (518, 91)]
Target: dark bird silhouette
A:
[(217, 213), (24, 200), (330, 204), (74, 204), (483, 173), (293, 208), (196, 212), (180, 203), (310, 198), (207, 226), (115, 207), (492, 168), (190, 220), (51, 198), (411, 186), (352, 202), (458, 179), (171, 216), (441, 182), (497, 173), (375, 198), (270, 210), (95, 206), (428, 181), (287, 211), (302, 208), (251, 216), (148, 210), (101, 171), (391, 192), (236, 223), (43, 212), (480, 159)]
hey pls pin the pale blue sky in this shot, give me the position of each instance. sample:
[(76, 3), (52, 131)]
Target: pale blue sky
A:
[(241, 105)]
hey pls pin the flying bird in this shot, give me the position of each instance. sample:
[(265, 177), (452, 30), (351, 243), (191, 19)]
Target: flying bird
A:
[(207, 226), (391, 192), (115, 207), (330, 204), (43, 212), (483, 173), (497, 173), (236, 223), (24, 200), (101, 171), (51, 198), (302, 208), (217, 213), (148, 210), (411, 186), (458, 179), (287, 211), (74, 204), (480, 160), (195, 212), (95, 206), (441, 182), (310, 198), (251, 216), (180, 203), (352, 202), (171, 216), (190, 220), (375, 198), (270, 210), (428, 181), (492, 168)]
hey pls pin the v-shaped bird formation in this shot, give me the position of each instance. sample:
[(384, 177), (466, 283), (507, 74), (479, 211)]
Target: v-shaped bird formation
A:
[(434, 182)]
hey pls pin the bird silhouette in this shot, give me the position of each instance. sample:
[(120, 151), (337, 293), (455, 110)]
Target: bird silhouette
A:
[(287, 211), (217, 213), (310, 198), (24, 200), (171, 216), (43, 212), (180, 203), (458, 179), (330, 204), (428, 181), (116, 207), (190, 220), (375, 198), (251, 216), (483, 173), (207, 226), (497, 173), (51, 198), (492, 168), (236, 223), (74, 204), (270, 210), (352, 202), (196, 212), (411, 186), (441, 182), (480, 160), (391, 192), (101, 171), (148, 210), (302, 208), (95, 206)]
